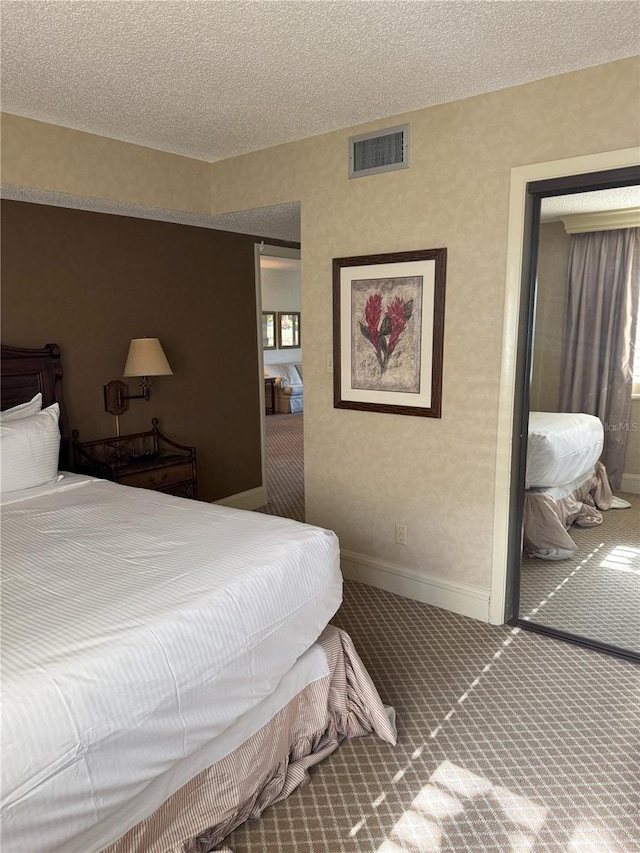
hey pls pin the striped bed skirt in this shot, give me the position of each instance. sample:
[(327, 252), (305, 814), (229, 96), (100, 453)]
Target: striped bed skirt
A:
[(273, 762)]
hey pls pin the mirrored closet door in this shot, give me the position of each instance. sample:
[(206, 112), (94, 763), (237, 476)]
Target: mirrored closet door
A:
[(579, 575)]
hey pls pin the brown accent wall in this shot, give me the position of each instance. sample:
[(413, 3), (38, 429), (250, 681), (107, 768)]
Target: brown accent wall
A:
[(90, 282)]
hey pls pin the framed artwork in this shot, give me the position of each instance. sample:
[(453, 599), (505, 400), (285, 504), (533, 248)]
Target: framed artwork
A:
[(288, 330), (388, 332), (268, 330)]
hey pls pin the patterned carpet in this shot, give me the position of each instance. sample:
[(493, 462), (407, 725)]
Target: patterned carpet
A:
[(285, 466), (595, 594), (508, 742)]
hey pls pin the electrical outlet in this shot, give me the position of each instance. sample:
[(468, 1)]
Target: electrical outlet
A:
[(329, 362), (401, 534)]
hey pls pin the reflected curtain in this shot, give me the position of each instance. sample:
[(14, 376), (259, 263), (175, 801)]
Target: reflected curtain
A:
[(599, 335)]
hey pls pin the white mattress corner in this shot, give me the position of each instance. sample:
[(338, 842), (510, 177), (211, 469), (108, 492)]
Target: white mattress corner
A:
[(561, 448), (127, 615), (310, 666)]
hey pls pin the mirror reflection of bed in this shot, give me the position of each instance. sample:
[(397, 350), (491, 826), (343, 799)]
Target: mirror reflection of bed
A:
[(580, 569)]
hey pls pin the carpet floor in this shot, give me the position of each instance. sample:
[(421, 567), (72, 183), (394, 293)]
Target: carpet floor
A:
[(508, 742), (596, 593), (285, 466)]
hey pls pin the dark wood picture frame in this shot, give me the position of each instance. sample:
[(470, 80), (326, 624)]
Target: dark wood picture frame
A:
[(296, 329), (265, 329), (388, 332)]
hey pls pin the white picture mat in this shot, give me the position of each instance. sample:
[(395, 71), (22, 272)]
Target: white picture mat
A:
[(426, 269)]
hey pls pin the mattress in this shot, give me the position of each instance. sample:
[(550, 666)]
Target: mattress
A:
[(562, 448), (137, 628), (270, 764)]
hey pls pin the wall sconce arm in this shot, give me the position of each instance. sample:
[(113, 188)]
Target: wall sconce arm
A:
[(116, 395)]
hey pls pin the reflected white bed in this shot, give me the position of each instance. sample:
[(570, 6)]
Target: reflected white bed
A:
[(562, 448), (565, 483)]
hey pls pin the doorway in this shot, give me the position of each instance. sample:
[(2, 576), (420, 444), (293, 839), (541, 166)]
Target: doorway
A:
[(582, 583), (281, 347)]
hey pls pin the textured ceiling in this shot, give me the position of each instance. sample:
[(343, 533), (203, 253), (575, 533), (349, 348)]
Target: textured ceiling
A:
[(214, 78), (620, 198)]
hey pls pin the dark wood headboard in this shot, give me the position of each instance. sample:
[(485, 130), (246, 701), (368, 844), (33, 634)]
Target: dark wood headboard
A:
[(27, 371)]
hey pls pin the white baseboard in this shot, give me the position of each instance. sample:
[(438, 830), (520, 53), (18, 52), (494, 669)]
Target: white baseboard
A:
[(463, 598), (631, 483), (251, 499)]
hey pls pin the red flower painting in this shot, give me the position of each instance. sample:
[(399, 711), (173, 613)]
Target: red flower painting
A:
[(384, 336)]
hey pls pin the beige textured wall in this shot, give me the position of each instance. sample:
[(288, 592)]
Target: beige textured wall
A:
[(56, 158), (366, 471), (553, 259)]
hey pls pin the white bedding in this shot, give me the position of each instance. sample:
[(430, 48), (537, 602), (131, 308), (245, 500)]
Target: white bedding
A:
[(135, 631), (561, 448)]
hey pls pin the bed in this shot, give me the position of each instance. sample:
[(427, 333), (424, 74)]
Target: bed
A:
[(161, 682), (565, 483)]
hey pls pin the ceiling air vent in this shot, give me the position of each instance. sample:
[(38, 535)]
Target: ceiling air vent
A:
[(381, 151)]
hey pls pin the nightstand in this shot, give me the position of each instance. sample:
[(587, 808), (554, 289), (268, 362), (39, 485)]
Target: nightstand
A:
[(146, 460)]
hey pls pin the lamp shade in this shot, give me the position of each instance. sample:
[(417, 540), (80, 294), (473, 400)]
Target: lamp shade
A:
[(146, 358)]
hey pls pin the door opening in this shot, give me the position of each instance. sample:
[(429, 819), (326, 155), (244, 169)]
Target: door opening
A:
[(282, 378)]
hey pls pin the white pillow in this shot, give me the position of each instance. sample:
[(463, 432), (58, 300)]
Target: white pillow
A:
[(29, 449), (24, 410)]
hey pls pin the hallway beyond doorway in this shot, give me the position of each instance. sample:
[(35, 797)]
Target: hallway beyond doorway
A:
[(285, 466)]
